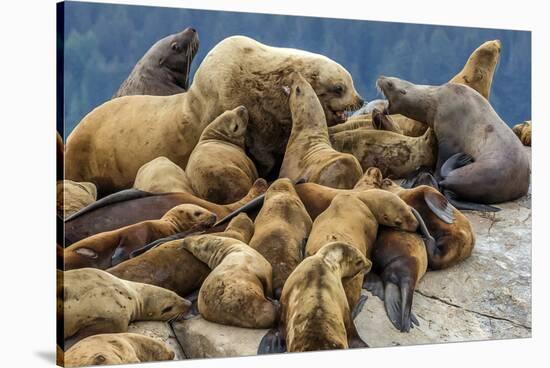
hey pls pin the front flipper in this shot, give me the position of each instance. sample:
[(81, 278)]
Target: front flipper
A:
[(273, 342), (250, 206), (440, 206), (193, 298), (359, 306), (398, 303), (454, 162), (422, 226), (468, 206), (421, 176)]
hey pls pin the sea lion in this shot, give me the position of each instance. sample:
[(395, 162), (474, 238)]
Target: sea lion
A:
[(181, 271), (73, 196), (237, 71), (397, 155), (59, 156), (315, 312), (237, 290), (309, 154), (94, 302), (162, 176), (479, 158), (118, 348), (281, 230), (375, 120), (354, 218), (110, 248), (523, 131), (218, 168), (110, 214), (165, 67)]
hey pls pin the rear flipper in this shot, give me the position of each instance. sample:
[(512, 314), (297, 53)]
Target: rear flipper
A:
[(359, 306), (398, 303), (454, 162), (468, 206), (421, 176), (273, 342), (374, 284), (440, 206)]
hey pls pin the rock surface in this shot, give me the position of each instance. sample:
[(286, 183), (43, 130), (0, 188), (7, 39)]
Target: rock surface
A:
[(161, 331)]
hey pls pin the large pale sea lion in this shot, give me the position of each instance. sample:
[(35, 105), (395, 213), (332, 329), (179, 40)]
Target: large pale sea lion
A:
[(309, 154), (114, 140), (523, 131), (237, 289), (165, 67), (73, 196), (315, 312), (479, 158), (281, 230), (121, 348), (172, 267), (95, 302), (162, 176), (218, 169), (110, 248), (123, 210)]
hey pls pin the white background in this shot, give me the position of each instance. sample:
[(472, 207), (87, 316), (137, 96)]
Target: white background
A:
[(27, 177)]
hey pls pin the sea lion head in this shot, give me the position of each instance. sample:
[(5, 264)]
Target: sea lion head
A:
[(389, 209), (345, 257), (229, 127), (159, 304), (186, 216), (177, 52), (397, 91), (371, 179), (281, 185)]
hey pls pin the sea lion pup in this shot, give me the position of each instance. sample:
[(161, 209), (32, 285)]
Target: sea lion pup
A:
[(238, 71), (73, 196), (135, 206), (237, 290), (397, 155), (162, 176), (309, 154), (353, 218), (315, 312), (452, 231), (181, 271), (165, 67), (218, 168), (281, 230), (97, 302), (110, 248), (118, 348), (523, 131), (479, 156)]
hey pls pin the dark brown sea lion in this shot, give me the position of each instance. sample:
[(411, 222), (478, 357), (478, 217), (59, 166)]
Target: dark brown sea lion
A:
[(480, 159), (133, 206), (172, 267), (309, 154), (107, 249), (165, 67)]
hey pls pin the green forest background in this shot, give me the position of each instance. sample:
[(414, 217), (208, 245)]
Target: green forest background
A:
[(102, 43)]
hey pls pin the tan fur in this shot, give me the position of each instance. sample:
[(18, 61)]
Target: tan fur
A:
[(281, 229), (109, 248), (218, 168), (395, 154), (315, 312), (121, 348), (235, 292), (309, 154), (73, 196), (523, 131), (95, 302), (162, 176), (114, 140), (181, 271)]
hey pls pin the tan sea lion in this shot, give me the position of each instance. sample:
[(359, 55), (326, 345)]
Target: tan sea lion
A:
[(95, 302), (162, 176), (480, 160), (73, 196), (164, 69), (523, 131), (397, 155), (237, 71), (237, 290), (172, 267), (353, 218), (118, 348), (281, 230), (315, 312), (110, 248), (308, 154), (132, 206), (218, 168)]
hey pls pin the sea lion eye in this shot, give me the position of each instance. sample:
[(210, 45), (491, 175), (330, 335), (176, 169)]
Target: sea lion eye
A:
[(175, 46), (339, 89), (298, 91), (166, 310), (402, 91), (197, 213)]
